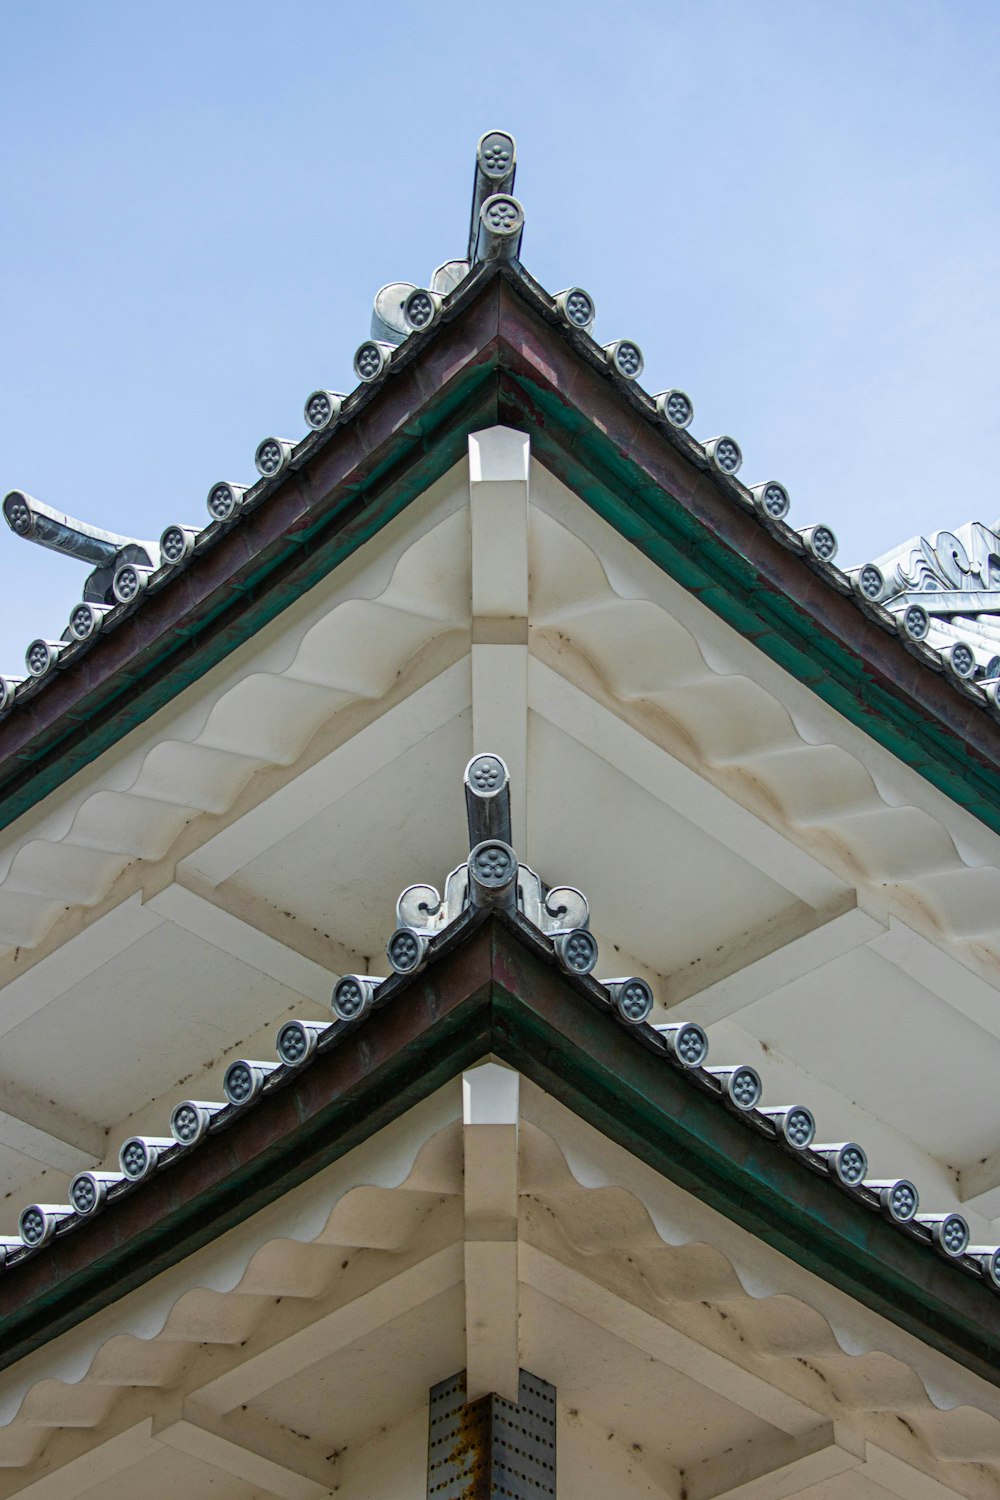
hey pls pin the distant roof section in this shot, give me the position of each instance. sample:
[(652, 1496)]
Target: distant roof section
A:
[(945, 590), (788, 594)]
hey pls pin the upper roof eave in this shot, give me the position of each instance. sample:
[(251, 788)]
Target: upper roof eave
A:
[(502, 353)]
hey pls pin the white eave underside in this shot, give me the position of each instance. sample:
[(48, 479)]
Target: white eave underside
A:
[(825, 912), (293, 1357)]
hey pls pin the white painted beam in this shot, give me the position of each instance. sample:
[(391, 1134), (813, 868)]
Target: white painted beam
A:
[(737, 829), (979, 1185), (210, 921), (336, 1330), (258, 1434), (611, 1313), (941, 973), (42, 1129), (499, 464), (337, 775), (259, 915), (775, 1467), (899, 1478), (786, 965), (948, 979), (44, 981), (271, 1461), (86, 1474), (48, 1133), (491, 1096)]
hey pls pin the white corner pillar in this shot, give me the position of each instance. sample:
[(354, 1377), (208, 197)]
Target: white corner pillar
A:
[(499, 461), (491, 1105)]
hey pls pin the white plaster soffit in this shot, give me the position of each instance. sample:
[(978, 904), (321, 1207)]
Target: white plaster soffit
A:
[(600, 615), (345, 642), (742, 1319)]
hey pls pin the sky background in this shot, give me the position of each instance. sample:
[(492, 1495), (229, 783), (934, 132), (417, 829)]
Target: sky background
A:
[(792, 205)]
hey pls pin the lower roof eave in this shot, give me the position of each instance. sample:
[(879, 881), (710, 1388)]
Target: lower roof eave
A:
[(493, 991)]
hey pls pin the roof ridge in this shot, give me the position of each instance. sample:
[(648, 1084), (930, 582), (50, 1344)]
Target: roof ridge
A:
[(128, 570)]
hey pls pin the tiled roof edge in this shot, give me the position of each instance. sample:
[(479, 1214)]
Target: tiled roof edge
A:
[(554, 923)]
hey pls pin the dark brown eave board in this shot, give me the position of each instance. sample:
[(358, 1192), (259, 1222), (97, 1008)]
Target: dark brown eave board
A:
[(494, 989)]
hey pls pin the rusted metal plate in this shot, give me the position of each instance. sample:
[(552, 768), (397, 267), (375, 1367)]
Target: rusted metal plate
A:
[(492, 1449), (457, 1443)]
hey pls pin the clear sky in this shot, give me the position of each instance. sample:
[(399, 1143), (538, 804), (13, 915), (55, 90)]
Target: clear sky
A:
[(792, 205)]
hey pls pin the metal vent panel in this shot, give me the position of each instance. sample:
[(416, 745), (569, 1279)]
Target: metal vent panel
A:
[(492, 1449), (523, 1448), (456, 1451)]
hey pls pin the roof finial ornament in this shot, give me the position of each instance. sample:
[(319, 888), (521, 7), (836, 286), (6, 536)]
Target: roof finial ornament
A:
[(496, 165), (106, 550), (501, 225), (493, 877), (389, 326), (495, 228)]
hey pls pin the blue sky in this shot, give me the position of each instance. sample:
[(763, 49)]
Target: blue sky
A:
[(792, 205)]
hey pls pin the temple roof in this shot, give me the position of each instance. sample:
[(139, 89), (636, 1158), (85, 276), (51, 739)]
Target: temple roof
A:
[(483, 341), (776, 1003), (482, 344)]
